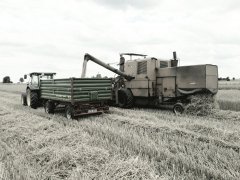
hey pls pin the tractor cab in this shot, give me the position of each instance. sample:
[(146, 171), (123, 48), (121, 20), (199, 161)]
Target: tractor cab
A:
[(35, 77)]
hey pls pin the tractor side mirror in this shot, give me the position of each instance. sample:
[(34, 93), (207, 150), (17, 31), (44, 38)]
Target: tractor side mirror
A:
[(25, 76)]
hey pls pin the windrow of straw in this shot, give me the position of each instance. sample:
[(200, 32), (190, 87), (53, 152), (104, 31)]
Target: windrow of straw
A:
[(201, 105)]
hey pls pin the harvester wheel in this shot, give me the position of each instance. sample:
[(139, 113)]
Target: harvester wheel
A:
[(32, 99), (69, 112), (178, 108), (24, 99), (49, 107), (125, 98)]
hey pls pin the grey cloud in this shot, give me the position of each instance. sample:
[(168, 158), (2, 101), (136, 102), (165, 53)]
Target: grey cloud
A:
[(122, 4), (12, 44), (51, 51), (199, 32)]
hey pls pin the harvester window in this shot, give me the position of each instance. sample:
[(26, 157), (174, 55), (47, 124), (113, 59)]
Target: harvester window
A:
[(163, 64), (142, 67)]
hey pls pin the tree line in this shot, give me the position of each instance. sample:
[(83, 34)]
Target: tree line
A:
[(7, 79), (226, 79)]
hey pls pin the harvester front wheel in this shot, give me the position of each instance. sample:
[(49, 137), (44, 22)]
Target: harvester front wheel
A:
[(125, 98), (32, 99), (178, 108), (24, 99), (49, 107)]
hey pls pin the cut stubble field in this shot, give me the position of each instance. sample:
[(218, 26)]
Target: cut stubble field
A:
[(124, 144), (229, 85)]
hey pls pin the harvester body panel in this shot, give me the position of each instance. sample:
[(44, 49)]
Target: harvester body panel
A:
[(212, 78), (154, 77), (198, 77)]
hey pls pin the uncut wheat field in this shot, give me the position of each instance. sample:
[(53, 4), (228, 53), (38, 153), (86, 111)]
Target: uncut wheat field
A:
[(123, 144)]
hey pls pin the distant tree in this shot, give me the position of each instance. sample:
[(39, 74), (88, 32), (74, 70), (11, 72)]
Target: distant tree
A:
[(6, 79), (21, 80), (99, 76), (233, 78), (228, 79)]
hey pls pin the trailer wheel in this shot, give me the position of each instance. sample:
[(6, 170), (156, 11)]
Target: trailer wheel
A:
[(125, 98), (32, 99), (178, 108), (24, 99), (69, 112), (49, 107)]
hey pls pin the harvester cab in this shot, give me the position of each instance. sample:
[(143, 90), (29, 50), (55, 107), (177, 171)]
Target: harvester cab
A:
[(151, 81), (30, 98)]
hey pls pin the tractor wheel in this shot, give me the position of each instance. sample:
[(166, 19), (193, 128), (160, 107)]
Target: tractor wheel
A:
[(178, 108), (69, 112), (125, 98), (32, 99), (49, 107), (24, 99)]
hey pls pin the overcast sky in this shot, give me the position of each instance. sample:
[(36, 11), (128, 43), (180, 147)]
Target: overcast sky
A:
[(53, 35)]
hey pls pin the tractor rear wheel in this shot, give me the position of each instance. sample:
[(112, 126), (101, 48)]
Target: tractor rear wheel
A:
[(24, 99), (178, 108), (125, 98), (49, 107), (32, 99)]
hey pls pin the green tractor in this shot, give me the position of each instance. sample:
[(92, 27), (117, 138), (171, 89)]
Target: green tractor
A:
[(31, 96)]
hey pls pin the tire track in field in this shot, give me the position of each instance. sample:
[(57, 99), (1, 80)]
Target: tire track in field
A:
[(12, 92), (11, 103), (133, 142), (40, 133), (174, 131), (111, 132), (124, 120)]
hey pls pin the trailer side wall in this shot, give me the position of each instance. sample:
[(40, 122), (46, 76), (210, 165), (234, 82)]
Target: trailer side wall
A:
[(76, 90)]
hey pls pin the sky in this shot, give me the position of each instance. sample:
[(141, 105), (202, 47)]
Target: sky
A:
[(54, 35)]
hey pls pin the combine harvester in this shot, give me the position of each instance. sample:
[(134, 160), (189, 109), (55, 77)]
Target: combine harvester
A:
[(153, 82), (79, 96)]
